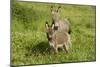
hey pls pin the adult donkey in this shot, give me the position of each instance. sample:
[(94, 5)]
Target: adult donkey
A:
[(60, 25)]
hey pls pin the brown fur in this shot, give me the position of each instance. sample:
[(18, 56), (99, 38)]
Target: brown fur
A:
[(58, 39), (63, 25)]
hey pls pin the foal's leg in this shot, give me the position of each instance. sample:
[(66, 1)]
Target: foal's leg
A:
[(56, 50), (66, 46)]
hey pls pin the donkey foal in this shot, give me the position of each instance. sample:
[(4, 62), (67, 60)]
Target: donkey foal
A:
[(58, 39)]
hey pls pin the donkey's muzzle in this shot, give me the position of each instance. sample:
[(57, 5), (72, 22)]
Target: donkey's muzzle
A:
[(56, 28)]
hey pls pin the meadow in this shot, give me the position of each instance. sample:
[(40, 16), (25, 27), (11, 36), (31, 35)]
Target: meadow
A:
[(29, 44)]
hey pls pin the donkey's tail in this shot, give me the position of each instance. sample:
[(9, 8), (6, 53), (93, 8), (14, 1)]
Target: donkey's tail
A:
[(68, 22)]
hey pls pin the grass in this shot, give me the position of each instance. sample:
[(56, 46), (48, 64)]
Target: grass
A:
[(29, 44)]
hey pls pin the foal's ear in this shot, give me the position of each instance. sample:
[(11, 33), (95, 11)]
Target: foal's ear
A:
[(46, 25), (53, 25)]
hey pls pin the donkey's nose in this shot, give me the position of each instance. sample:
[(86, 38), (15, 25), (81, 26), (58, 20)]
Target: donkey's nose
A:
[(56, 28)]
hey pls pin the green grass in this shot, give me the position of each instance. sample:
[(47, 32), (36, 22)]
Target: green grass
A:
[(29, 44)]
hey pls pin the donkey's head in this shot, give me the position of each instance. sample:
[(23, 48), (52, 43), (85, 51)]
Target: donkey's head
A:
[(55, 12), (49, 30)]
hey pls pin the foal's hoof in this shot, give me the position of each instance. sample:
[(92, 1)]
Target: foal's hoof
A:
[(67, 51)]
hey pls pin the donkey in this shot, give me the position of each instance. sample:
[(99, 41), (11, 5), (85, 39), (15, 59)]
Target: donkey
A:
[(60, 24), (57, 39)]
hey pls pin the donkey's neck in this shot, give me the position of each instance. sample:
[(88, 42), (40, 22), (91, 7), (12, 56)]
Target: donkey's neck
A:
[(55, 18)]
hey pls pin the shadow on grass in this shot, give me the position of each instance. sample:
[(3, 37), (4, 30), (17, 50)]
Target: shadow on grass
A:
[(40, 48)]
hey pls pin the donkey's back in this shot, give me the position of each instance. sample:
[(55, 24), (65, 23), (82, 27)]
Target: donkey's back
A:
[(63, 25), (60, 37)]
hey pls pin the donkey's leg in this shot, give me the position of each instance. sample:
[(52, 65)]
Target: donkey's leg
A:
[(66, 46), (56, 50), (51, 47), (69, 42), (63, 48)]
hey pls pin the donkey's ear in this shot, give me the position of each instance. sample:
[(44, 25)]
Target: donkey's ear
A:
[(46, 24), (51, 8), (53, 25), (58, 8)]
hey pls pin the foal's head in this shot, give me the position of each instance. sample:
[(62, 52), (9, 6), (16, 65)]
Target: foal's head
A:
[(49, 30)]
